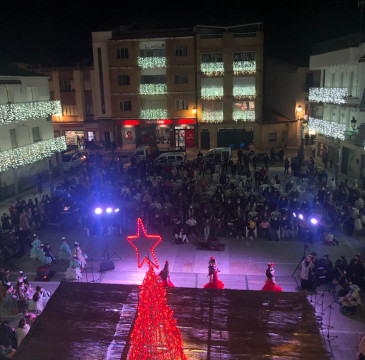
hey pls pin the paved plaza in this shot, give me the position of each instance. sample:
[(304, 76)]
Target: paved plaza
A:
[(242, 266)]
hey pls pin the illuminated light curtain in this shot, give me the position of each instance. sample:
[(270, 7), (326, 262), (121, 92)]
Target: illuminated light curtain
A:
[(212, 116), (244, 87), (328, 95), (244, 67), (29, 154), (152, 89), (211, 88), (327, 128), (16, 112), (151, 62), (154, 114), (212, 68), (244, 115)]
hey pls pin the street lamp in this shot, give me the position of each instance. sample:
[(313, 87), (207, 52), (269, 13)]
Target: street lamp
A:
[(194, 110), (353, 123), (299, 110)]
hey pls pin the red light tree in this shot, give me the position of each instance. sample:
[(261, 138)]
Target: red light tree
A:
[(155, 335)]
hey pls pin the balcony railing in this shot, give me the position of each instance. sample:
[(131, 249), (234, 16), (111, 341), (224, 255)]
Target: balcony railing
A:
[(17, 112), (212, 93), (212, 68), (327, 128), (329, 95), (244, 115), (244, 67), (151, 62), (244, 92), (29, 154), (212, 116), (154, 114), (152, 89)]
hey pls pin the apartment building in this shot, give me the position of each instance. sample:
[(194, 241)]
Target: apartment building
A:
[(27, 142), (336, 108), (185, 87)]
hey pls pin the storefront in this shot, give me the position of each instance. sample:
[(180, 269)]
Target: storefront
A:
[(164, 133)]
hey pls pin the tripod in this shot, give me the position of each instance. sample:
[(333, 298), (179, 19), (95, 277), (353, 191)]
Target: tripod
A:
[(305, 247), (106, 254), (92, 272), (328, 326)]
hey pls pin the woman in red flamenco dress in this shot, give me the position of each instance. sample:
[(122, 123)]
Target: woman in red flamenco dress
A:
[(270, 280), (214, 282), (165, 276)]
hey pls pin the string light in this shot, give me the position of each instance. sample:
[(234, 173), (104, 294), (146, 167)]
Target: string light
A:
[(29, 154), (327, 128), (212, 93), (154, 114), (152, 89), (212, 68), (151, 62), (244, 115), (155, 334), (248, 92), (244, 67), (328, 95), (16, 112), (212, 116)]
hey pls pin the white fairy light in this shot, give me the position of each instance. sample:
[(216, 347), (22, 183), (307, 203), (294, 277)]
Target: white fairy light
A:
[(240, 92), (29, 154), (215, 92), (212, 68), (152, 89), (244, 67), (328, 95), (16, 112), (154, 114), (151, 62), (212, 116), (327, 128), (244, 115)]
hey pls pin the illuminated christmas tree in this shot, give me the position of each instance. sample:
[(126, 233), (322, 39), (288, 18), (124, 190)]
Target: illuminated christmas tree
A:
[(155, 335)]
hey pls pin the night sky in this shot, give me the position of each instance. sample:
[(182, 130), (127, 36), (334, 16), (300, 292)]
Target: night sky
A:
[(59, 32)]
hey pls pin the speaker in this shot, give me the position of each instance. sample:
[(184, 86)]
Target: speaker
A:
[(43, 272), (106, 265)]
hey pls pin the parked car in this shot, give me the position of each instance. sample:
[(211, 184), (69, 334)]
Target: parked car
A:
[(172, 158), (72, 160), (217, 155)]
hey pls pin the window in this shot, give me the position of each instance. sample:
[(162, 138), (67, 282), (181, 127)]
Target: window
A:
[(122, 53), (152, 53), (272, 137), (182, 105), (68, 110), (65, 86), (181, 78), (13, 140), (212, 57), (153, 79), (36, 134), (244, 56), (125, 105), (124, 80), (212, 106), (181, 51)]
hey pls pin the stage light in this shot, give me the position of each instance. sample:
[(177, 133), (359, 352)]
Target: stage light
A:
[(314, 221), (116, 210), (301, 217), (109, 210), (98, 211), (294, 214)]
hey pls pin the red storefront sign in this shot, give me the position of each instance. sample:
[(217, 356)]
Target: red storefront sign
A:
[(189, 137), (158, 122)]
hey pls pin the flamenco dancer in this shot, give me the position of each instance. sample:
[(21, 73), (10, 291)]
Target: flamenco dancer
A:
[(214, 282), (165, 275), (270, 280)]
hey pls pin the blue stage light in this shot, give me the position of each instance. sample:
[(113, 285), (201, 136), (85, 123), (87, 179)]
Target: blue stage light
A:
[(301, 217), (314, 221), (116, 210), (109, 210), (98, 211)]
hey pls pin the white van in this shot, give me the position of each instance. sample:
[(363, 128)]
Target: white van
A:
[(72, 160), (217, 155), (171, 158)]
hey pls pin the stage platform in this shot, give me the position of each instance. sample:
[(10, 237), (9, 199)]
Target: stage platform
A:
[(94, 321)]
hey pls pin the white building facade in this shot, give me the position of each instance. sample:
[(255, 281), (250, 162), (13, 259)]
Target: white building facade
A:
[(28, 147), (335, 108)]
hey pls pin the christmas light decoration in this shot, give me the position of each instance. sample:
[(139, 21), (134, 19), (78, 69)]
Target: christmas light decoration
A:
[(29, 154), (327, 128), (212, 93), (154, 114), (152, 89), (212, 116), (328, 95), (16, 112), (244, 67), (244, 115), (155, 334), (247, 92), (151, 62), (144, 245), (212, 68)]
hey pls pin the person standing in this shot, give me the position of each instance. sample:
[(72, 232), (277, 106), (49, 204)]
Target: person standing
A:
[(307, 280), (270, 284), (165, 275), (79, 255), (214, 282)]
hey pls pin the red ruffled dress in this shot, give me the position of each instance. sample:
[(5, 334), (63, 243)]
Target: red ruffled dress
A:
[(165, 277), (270, 283), (214, 282)]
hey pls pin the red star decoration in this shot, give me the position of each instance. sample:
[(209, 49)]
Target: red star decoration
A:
[(144, 244)]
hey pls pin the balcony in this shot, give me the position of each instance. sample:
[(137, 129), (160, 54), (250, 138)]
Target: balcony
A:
[(244, 115), (327, 128), (151, 62), (17, 112), (244, 92), (338, 96), (212, 116), (25, 155), (154, 114), (244, 67), (152, 89), (212, 68), (212, 93)]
